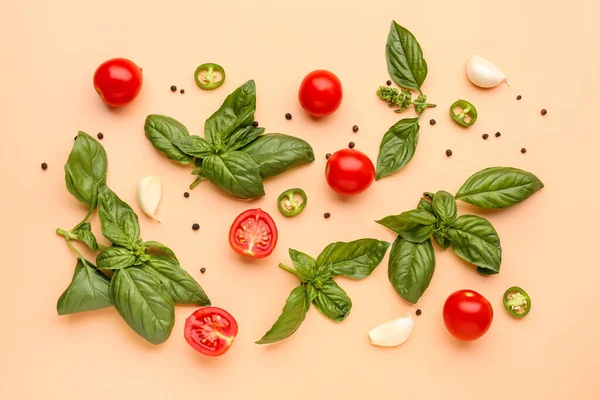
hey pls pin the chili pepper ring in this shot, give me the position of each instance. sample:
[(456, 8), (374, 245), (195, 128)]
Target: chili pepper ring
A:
[(467, 116), (207, 81)]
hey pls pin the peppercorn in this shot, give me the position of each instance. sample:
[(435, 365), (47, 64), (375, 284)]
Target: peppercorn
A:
[(544, 111), (519, 97), (389, 83), (173, 88), (195, 227), (75, 138), (448, 152), (419, 311), (485, 136), (432, 122), (202, 270), (326, 215), (255, 124), (355, 128), (100, 135), (182, 91), (327, 156), (523, 150), (288, 116), (44, 166), (498, 134), (186, 194), (351, 145)]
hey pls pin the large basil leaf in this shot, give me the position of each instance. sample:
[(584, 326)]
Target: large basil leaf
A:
[(356, 259), (115, 258), (178, 283), (88, 290), (152, 246), (294, 312), (242, 137), (404, 56), (408, 220), (85, 169), (237, 111), (194, 146), (332, 301), (275, 153), (397, 147), (411, 268), (140, 299), (161, 131), (235, 173), (444, 206), (84, 234), (304, 265), (476, 241), (119, 222), (499, 187)]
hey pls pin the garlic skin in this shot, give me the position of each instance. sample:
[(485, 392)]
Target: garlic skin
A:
[(483, 73), (392, 333), (149, 194)]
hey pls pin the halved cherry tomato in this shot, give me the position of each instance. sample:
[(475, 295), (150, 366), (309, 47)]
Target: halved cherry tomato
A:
[(118, 81), (467, 315), (210, 330), (349, 172), (253, 234), (320, 93)]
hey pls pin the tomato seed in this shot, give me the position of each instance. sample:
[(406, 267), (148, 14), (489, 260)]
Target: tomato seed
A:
[(195, 227), (182, 91), (432, 122), (485, 136), (186, 194), (44, 166), (523, 150), (498, 134), (355, 128), (419, 311), (327, 156), (544, 111), (288, 116), (255, 124), (519, 97), (448, 152), (202, 270), (173, 88), (389, 83), (100, 135), (351, 145), (326, 215)]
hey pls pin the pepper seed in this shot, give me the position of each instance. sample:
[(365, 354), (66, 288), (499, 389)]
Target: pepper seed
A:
[(519, 97), (389, 83), (355, 128), (202, 270), (173, 88), (44, 166), (327, 156), (485, 136), (182, 91), (255, 124), (419, 312), (448, 152), (523, 150), (498, 134), (351, 145), (195, 227), (544, 111), (186, 194), (432, 122), (326, 215), (100, 135), (288, 116)]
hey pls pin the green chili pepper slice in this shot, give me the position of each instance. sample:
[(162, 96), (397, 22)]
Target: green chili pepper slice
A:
[(207, 76), (517, 302), (292, 202), (468, 114)]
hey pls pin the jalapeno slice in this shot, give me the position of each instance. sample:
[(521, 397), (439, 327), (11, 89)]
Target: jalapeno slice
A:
[(292, 202), (467, 114), (517, 302), (209, 76)]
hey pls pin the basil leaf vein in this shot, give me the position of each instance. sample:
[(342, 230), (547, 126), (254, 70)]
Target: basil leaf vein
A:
[(404, 56), (475, 240), (177, 282), (356, 259), (162, 131), (332, 301), (118, 220), (88, 290), (85, 169), (397, 147), (294, 312), (410, 268), (235, 173)]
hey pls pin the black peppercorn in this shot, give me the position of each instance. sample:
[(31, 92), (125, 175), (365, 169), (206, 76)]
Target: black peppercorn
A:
[(544, 111), (195, 227), (448, 152), (173, 88), (288, 116), (485, 136), (44, 166), (255, 124), (326, 215), (355, 128), (186, 194), (182, 91), (327, 156), (432, 122), (419, 311), (100, 135), (351, 145), (75, 138), (519, 97), (389, 82), (202, 270), (523, 150), (498, 134)]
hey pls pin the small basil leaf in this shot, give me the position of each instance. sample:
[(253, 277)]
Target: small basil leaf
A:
[(441, 240), (177, 282), (444, 206), (476, 241), (275, 153), (356, 259), (85, 169), (397, 147), (194, 146), (88, 291), (242, 137), (425, 205), (84, 234), (304, 265), (115, 258), (237, 111), (119, 222), (235, 173), (161, 131), (152, 246), (332, 301), (138, 296), (411, 268), (499, 187), (312, 292), (418, 234), (404, 56), (408, 220), (294, 312)]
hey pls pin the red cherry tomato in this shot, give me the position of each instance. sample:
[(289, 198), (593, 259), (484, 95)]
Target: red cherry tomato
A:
[(467, 315), (349, 172), (118, 81), (210, 330), (320, 93), (253, 234)]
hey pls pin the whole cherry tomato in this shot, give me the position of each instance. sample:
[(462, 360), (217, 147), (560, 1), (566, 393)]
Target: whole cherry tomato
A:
[(118, 81), (467, 315), (210, 330), (253, 234), (320, 93), (349, 172)]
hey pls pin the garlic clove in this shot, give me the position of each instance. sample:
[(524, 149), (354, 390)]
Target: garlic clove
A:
[(484, 73), (149, 194), (392, 333)]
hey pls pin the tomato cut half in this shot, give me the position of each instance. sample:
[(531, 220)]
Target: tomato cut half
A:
[(253, 234), (210, 330)]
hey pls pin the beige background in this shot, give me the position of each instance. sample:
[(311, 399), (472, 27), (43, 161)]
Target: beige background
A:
[(548, 49)]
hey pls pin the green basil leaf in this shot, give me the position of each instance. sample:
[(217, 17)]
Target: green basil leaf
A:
[(304, 265), (88, 290), (404, 56), (425, 205), (140, 299), (275, 153), (356, 259), (161, 131), (115, 258), (194, 146), (235, 173), (499, 187), (242, 137), (312, 292), (476, 241), (411, 268), (408, 220), (84, 234), (418, 234), (323, 271), (441, 240), (444, 206), (85, 169), (236, 112), (332, 301), (397, 147), (152, 246), (294, 312), (180, 285), (119, 222)]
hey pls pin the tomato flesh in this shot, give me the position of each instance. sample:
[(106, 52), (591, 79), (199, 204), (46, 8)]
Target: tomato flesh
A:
[(320, 93), (253, 234), (210, 330), (349, 172), (467, 315), (118, 81)]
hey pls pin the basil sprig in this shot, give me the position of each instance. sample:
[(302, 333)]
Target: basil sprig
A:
[(356, 260), (234, 155), (472, 238)]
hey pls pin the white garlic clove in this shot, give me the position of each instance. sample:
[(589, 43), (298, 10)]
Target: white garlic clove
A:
[(149, 194), (483, 73), (392, 333)]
